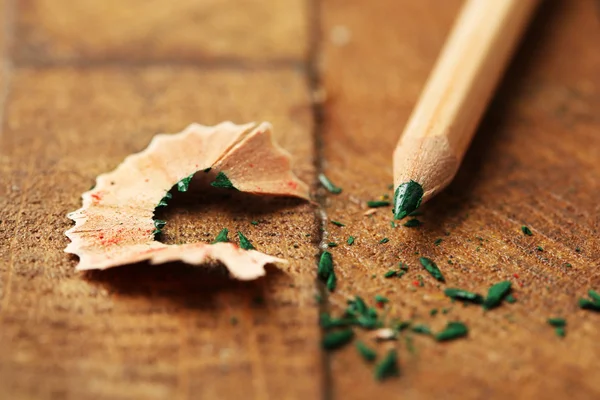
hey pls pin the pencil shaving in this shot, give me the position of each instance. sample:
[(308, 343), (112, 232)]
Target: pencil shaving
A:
[(115, 225)]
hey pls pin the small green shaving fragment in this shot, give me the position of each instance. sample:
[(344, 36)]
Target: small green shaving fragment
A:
[(163, 202), (557, 322), (331, 281), (244, 242), (335, 340), (560, 331), (496, 294), (327, 184), (380, 299), (222, 236), (388, 366), (391, 273), (332, 244), (184, 184), (526, 230), (577, 249), (510, 299), (594, 295), (593, 304), (421, 329), (222, 181), (325, 266), (338, 224), (350, 240), (453, 330), (254, 223), (433, 312), (366, 352), (540, 248), (432, 268), (463, 295), (378, 203), (438, 242), (384, 240), (413, 223)]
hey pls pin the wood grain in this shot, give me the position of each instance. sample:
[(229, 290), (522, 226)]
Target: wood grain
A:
[(534, 161)]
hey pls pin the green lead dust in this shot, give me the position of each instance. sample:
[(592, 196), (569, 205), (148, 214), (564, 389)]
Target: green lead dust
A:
[(378, 203), (438, 242), (350, 240), (591, 304), (560, 331), (325, 266), (539, 248), (526, 230), (336, 340), (164, 201), (388, 366), (222, 181), (367, 353), (381, 299), (391, 273), (254, 223), (557, 322), (184, 184), (407, 199), (413, 223), (384, 240), (337, 223), (453, 330), (332, 244), (496, 294), (463, 295), (222, 236), (432, 268), (331, 282), (421, 329), (244, 242), (327, 184)]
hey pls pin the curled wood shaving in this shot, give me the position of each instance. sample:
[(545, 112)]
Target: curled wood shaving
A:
[(115, 224)]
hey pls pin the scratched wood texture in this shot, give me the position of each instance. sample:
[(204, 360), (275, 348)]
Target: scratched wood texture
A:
[(83, 84)]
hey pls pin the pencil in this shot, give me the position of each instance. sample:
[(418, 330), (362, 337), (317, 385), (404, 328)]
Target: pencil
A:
[(450, 107)]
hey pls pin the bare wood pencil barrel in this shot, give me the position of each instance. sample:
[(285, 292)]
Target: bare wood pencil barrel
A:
[(450, 107)]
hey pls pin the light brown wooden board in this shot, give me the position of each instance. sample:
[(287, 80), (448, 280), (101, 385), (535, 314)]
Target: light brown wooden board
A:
[(86, 90), (535, 161)]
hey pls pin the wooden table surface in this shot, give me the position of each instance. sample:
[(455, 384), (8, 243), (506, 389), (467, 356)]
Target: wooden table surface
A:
[(85, 83)]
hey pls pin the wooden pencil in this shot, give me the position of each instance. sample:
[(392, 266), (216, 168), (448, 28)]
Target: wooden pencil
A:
[(450, 107)]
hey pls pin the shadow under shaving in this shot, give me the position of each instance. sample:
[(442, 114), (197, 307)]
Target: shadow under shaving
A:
[(196, 286), (492, 129)]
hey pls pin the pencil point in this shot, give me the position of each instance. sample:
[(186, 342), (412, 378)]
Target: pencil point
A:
[(407, 199)]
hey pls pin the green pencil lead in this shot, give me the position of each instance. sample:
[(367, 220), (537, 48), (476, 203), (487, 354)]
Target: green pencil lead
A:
[(327, 184), (350, 240), (244, 242), (222, 236), (388, 366), (335, 340), (184, 184), (432, 268), (407, 199), (325, 268), (463, 295), (222, 181), (453, 330), (378, 203), (526, 230), (366, 352), (496, 294)]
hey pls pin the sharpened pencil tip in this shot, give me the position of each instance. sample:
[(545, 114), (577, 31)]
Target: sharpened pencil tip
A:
[(407, 199)]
